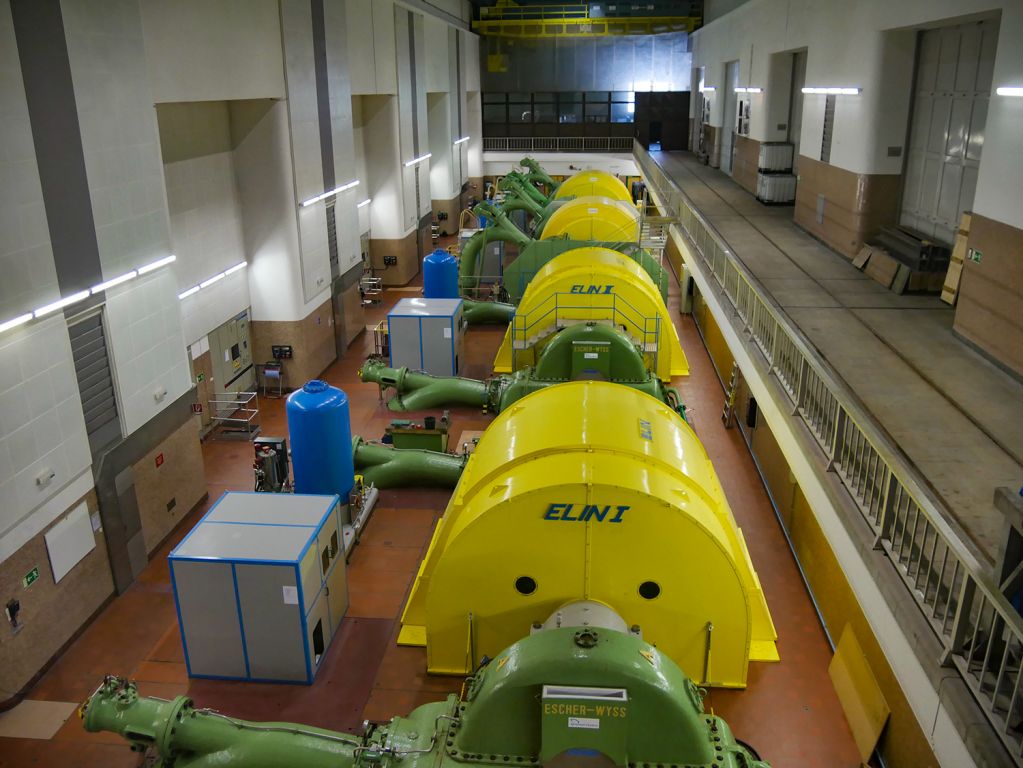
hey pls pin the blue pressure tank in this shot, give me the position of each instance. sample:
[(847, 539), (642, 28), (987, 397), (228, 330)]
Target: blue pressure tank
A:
[(320, 428), (440, 275)]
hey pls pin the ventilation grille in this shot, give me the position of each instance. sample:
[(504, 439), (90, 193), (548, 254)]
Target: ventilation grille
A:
[(829, 126), (95, 382)]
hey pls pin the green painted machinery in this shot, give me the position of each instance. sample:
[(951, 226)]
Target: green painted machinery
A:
[(385, 466), (533, 255), (563, 693), (584, 351)]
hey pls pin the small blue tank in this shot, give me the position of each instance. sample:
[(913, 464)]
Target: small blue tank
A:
[(320, 428), (440, 275)]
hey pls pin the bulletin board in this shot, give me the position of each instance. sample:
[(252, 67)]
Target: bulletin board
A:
[(69, 541)]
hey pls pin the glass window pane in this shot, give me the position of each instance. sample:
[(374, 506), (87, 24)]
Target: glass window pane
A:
[(494, 113), (596, 113), (545, 98), (519, 113), (494, 98), (623, 113), (570, 97), (570, 113), (597, 96), (519, 97), (544, 113), (629, 96)]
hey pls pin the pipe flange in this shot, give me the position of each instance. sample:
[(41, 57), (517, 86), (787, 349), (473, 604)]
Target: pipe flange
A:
[(586, 638)]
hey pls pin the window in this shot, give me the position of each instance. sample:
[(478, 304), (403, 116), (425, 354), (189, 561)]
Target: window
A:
[(623, 113), (495, 113), (597, 113)]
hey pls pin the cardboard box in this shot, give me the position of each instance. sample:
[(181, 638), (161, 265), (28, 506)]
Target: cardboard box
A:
[(881, 267)]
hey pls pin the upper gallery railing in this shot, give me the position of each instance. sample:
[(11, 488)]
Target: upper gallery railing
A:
[(981, 632), (558, 144)]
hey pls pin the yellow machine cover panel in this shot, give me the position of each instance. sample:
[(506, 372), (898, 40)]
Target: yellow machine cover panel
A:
[(593, 285), (593, 183), (591, 491), (594, 218)]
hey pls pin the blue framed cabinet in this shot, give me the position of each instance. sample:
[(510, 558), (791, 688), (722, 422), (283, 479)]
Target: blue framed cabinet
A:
[(427, 335), (260, 587)]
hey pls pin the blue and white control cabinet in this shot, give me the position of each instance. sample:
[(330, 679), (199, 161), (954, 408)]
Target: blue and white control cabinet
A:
[(427, 335), (260, 586)]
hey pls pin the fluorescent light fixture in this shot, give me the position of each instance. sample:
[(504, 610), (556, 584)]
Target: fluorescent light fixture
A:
[(749, 89), (157, 264), (365, 202), (708, 89), (236, 267), (832, 91), (15, 322), (212, 280), (189, 292), (419, 159), (1010, 90), (66, 302), (115, 281), (328, 193), (461, 140)]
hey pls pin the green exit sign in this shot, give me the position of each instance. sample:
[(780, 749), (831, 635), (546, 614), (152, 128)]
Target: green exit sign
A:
[(200, 378), (30, 577), (975, 256)]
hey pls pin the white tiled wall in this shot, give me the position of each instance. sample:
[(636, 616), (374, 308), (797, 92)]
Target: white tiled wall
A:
[(120, 139), (147, 346), (119, 133), (300, 76), (26, 260), (342, 133), (206, 232), (41, 422)]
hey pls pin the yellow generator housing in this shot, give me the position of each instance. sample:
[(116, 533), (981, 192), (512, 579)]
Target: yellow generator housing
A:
[(593, 285), (593, 183), (594, 218), (590, 491)]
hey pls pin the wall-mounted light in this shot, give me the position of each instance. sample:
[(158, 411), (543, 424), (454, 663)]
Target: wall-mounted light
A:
[(1009, 90), (156, 264), (14, 322), (748, 89), (832, 91), (67, 301), (419, 159), (462, 140), (211, 280), (116, 281), (707, 89), (365, 202), (330, 192)]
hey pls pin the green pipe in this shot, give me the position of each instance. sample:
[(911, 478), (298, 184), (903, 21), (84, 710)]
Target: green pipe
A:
[(481, 312), (189, 738), (516, 181), (513, 202), (419, 391), (387, 467), (536, 173), (501, 229)]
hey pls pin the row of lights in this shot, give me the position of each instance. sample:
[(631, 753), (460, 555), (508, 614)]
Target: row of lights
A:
[(211, 280), (1004, 90), (74, 298)]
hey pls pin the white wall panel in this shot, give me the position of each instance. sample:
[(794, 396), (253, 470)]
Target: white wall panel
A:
[(212, 50)]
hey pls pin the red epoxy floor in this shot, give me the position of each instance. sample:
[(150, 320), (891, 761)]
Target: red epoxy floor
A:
[(789, 711)]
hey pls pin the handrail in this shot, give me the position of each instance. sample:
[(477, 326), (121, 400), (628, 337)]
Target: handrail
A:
[(981, 632), (557, 144)]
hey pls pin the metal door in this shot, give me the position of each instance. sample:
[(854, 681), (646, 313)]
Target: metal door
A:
[(950, 98)]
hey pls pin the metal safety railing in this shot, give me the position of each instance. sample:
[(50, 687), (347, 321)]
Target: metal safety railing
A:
[(235, 413), (557, 144), (560, 310), (980, 630)]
